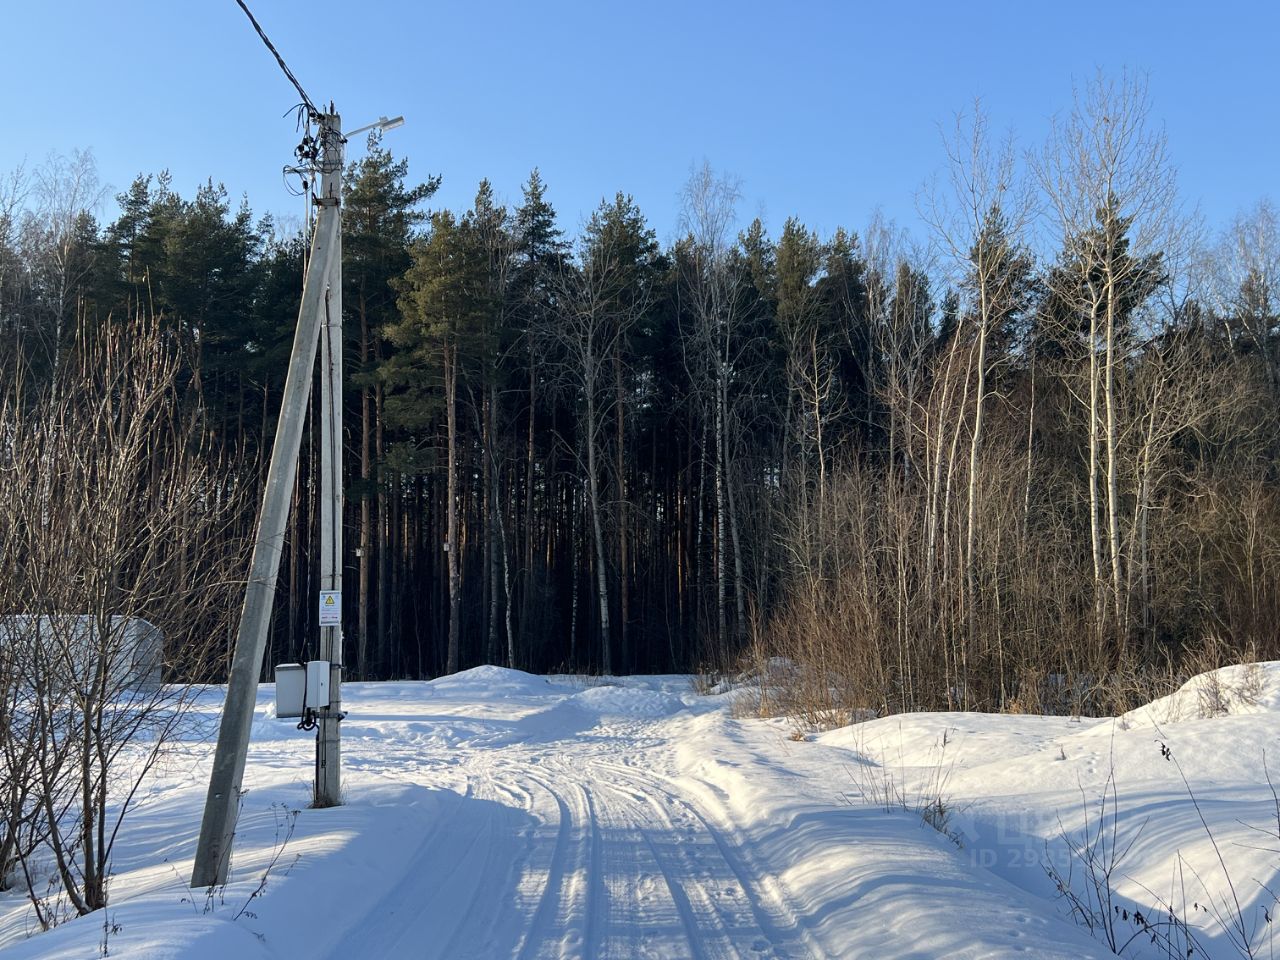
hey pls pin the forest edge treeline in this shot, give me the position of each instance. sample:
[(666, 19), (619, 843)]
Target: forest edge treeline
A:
[(1023, 466)]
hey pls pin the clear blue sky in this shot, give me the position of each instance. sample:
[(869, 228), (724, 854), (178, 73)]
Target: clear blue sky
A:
[(825, 110)]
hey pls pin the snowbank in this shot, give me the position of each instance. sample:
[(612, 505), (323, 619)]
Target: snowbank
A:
[(490, 681), (499, 814), (1234, 691), (619, 701)]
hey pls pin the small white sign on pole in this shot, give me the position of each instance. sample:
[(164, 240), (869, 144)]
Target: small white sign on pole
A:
[(330, 608)]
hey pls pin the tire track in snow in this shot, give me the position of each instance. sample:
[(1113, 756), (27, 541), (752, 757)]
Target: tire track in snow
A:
[(716, 920), (548, 912), (602, 858), (596, 902), (613, 897), (694, 931), (775, 912), (624, 917), (573, 905)]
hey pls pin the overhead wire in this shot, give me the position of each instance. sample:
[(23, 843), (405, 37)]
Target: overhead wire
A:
[(311, 107), (308, 150), (307, 169)]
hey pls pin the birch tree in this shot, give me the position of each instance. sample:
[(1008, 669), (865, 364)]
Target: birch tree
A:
[(1110, 187), (602, 298), (712, 283)]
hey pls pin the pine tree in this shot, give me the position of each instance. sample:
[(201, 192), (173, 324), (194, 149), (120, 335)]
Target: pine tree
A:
[(380, 218), (808, 370), (444, 302), (492, 228), (842, 291), (538, 262)]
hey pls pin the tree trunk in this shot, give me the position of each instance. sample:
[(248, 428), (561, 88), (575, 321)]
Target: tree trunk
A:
[(575, 553), (451, 536), (526, 597), (1095, 506), (1031, 427), (721, 586), (739, 580), (383, 580), (624, 643), (366, 520), (506, 582), (597, 532), (979, 407), (488, 478), (395, 549), (1113, 499)]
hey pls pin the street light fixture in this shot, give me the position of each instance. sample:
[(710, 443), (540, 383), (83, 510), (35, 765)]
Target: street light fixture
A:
[(382, 123)]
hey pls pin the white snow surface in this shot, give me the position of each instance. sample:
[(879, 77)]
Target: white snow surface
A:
[(497, 814)]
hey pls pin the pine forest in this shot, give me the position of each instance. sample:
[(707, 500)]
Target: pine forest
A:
[(1023, 458)]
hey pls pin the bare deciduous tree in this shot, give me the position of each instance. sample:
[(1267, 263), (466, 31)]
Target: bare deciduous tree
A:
[(117, 534), (981, 226), (712, 347), (1110, 186)]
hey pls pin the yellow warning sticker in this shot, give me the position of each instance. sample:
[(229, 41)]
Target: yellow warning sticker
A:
[(330, 608)]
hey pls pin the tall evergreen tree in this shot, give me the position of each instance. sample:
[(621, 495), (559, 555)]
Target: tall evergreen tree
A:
[(538, 262), (441, 333), (381, 216)]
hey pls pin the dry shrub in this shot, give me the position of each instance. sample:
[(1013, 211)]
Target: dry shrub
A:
[(111, 516), (876, 619), (884, 606)]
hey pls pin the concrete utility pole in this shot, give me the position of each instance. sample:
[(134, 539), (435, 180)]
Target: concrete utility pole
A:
[(321, 299), (328, 788)]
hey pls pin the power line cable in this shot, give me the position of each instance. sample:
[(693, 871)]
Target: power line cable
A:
[(279, 59), (308, 151)]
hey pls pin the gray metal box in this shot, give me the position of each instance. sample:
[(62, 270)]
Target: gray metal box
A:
[(291, 689), (317, 684)]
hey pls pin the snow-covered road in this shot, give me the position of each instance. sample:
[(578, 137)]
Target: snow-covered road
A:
[(637, 820), (557, 858), (496, 814)]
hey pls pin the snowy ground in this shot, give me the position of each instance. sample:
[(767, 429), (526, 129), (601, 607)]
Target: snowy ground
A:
[(497, 814)]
